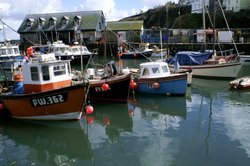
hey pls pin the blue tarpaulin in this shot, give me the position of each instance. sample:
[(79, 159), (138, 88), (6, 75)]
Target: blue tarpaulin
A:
[(190, 58)]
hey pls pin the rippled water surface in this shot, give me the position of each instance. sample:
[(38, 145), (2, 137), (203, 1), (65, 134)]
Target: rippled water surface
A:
[(208, 126)]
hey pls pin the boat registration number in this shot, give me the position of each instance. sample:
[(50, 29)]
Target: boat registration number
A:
[(49, 100)]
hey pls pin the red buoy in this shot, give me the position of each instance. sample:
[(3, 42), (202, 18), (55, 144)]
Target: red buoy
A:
[(105, 86), (89, 109), (133, 84)]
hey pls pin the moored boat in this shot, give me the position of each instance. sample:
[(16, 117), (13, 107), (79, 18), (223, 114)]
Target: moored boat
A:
[(242, 83), (43, 90), (9, 54), (107, 83), (155, 78), (203, 65)]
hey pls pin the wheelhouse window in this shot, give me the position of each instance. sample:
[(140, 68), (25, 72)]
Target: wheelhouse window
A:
[(45, 73), (34, 74), (165, 69), (145, 72), (59, 70), (155, 70)]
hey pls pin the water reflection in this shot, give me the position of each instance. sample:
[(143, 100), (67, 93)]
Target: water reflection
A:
[(114, 119), (47, 143), (172, 106), (165, 112)]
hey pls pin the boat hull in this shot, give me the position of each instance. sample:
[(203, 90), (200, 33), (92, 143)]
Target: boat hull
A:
[(140, 55), (214, 71), (242, 83), (118, 88), (60, 104), (175, 84)]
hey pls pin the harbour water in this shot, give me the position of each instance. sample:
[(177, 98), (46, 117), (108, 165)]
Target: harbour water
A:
[(208, 126)]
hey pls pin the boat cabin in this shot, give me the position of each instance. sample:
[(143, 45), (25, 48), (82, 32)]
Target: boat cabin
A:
[(6, 51), (44, 73), (59, 48), (154, 69)]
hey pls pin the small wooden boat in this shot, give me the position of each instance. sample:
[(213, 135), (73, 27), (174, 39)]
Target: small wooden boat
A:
[(155, 78), (242, 83), (43, 90)]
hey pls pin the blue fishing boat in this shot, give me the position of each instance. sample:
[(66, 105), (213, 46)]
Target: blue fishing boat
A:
[(156, 78)]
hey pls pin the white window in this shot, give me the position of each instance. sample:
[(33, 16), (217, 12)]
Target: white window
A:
[(145, 72)]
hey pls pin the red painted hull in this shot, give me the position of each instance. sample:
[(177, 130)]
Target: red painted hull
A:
[(60, 104)]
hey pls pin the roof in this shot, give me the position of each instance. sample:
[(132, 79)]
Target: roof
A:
[(89, 20), (125, 25)]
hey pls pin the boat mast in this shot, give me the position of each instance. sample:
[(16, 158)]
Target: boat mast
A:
[(167, 25), (204, 24), (214, 27), (236, 49)]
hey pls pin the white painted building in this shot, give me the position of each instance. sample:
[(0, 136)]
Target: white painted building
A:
[(236, 5), (229, 5)]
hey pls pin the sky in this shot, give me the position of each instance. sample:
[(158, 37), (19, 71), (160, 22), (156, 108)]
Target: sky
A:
[(12, 12)]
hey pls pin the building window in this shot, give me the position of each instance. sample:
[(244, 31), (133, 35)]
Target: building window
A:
[(41, 21), (77, 20), (53, 21), (29, 22), (65, 20)]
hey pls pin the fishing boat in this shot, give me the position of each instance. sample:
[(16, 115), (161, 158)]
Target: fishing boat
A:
[(43, 90), (242, 83), (143, 51), (107, 83), (81, 53), (9, 54), (156, 78)]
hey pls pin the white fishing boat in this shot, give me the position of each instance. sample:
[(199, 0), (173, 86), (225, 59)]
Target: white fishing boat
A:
[(9, 54), (156, 78)]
